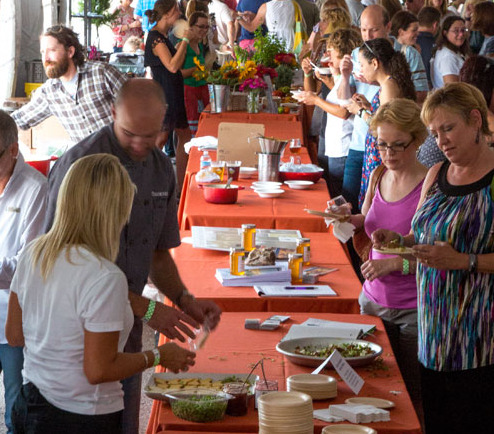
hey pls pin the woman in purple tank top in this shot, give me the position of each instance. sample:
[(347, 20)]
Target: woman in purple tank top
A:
[(389, 290)]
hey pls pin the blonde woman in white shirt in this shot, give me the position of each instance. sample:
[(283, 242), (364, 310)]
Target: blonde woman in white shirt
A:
[(69, 308)]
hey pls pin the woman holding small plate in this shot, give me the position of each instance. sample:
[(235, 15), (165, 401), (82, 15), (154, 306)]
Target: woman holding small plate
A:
[(453, 239), (390, 290)]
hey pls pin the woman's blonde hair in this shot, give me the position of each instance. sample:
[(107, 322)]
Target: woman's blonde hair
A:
[(337, 18), (404, 114), (93, 205), (327, 5), (459, 98)]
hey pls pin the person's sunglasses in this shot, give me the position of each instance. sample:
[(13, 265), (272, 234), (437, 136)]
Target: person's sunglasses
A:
[(370, 49), (202, 27)]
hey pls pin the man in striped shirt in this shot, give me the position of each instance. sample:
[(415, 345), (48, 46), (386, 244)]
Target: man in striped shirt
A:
[(78, 93)]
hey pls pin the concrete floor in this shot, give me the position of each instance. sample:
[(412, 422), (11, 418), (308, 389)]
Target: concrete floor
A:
[(146, 403)]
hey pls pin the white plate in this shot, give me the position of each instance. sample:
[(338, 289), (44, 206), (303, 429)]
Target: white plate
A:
[(266, 184), (348, 429), (299, 185), (394, 250), (287, 347), (269, 194), (160, 394), (367, 400)]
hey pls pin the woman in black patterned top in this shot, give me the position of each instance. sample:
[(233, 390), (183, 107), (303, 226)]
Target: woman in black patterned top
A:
[(165, 62)]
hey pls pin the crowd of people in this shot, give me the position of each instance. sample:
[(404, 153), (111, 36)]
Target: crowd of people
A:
[(404, 124)]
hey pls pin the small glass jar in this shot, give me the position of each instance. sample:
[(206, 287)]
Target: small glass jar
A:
[(295, 264), (237, 406), (237, 261), (248, 237), (263, 387), (303, 247)]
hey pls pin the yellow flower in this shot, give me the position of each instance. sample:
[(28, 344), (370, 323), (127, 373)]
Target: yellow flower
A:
[(229, 65), (249, 70), (198, 64)]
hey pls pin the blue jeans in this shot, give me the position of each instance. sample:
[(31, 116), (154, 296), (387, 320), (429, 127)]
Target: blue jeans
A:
[(352, 178), (11, 363), (132, 385), (33, 414)]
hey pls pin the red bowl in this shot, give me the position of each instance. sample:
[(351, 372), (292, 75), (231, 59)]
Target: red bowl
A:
[(42, 165), (301, 176), (217, 193)]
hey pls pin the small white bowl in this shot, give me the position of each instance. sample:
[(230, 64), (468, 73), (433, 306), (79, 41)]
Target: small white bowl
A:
[(271, 185), (299, 185), (324, 71), (247, 172), (270, 194)]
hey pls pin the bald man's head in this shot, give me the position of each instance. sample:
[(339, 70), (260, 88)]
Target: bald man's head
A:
[(138, 115), (374, 23), (142, 91)]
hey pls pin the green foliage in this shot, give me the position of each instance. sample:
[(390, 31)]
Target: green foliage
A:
[(99, 7), (243, 55), (285, 76), (266, 48)]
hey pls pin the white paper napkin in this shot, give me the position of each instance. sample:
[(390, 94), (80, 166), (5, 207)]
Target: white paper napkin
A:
[(343, 231), (208, 142)]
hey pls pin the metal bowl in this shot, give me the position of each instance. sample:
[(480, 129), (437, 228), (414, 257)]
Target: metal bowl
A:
[(287, 348)]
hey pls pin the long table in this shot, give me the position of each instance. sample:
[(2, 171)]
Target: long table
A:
[(285, 126), (233, 349), (325, 251)]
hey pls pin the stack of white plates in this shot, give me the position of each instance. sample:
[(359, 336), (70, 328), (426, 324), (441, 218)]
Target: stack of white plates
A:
[(317, 386), (285, 413)]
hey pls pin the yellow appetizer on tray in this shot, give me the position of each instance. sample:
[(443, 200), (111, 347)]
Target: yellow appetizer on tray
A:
[(394, 248), (162, 383)]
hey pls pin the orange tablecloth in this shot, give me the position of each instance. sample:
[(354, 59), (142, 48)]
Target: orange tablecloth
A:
[(233, 349), (325, 251), (193, 166), (284, 212)]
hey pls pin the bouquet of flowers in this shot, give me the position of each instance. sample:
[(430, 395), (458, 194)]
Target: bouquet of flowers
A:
[(230, 73), (287, 59), (253, 84)]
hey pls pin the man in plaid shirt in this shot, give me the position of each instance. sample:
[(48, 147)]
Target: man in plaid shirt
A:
[(78, 93)]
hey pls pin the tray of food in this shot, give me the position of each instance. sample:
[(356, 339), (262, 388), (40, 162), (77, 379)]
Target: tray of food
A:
[(160, 384), (313, 351)]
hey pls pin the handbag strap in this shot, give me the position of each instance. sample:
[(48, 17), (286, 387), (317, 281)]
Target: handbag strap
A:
[(376, 179)]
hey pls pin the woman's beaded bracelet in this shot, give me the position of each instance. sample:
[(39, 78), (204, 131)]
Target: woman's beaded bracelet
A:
[(157, 357), (406, 267), (308, 75), (186, 40), (149, 313)]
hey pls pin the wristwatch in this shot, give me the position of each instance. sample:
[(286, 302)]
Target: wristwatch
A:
[(360, 112), (472, 263)]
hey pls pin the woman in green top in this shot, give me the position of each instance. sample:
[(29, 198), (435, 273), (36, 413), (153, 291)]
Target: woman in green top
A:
[(195, 90)]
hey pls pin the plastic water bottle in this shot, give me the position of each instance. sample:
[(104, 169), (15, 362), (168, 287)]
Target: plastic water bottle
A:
[(205, 160)]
